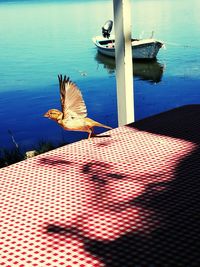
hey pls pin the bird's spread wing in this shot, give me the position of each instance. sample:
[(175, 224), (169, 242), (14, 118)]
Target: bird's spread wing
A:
[(73, 105), (62, 82)]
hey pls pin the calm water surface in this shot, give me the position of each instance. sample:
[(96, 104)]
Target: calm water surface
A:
[(40, 39)]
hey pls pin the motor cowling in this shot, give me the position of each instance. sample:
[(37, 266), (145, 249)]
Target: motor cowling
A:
[(107, 28)]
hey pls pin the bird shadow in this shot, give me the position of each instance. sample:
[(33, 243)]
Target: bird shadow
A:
[(101, 136), (54, 162)]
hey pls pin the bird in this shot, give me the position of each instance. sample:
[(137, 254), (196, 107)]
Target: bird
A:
[(73, 114)]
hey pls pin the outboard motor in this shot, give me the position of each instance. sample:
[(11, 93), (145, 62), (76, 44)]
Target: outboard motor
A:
[(107, 28)]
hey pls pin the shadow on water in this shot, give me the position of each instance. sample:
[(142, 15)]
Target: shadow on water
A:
[(175, 240), (151, 71)]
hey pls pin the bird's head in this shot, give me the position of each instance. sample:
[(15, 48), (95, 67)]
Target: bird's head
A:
[(53, 114)]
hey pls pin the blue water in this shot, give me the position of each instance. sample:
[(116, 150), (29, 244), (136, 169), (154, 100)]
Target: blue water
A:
[(40, 39)]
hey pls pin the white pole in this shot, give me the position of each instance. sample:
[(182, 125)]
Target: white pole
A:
[(124, 64)]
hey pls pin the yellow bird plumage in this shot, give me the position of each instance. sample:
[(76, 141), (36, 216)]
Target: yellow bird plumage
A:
[(73, 116)]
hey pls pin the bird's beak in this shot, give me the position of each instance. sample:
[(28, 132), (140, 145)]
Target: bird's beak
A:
[(46, 115)]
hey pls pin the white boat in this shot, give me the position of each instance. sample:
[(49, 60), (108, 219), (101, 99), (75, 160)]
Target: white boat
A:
[(141, 48)]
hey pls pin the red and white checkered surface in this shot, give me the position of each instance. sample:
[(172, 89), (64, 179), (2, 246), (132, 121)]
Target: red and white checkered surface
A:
[(107, 202)]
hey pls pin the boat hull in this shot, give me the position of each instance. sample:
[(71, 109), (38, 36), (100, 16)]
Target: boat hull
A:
[(141, 49)]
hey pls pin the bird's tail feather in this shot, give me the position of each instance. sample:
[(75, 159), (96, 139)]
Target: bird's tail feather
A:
[(93, 123), (102, 125)]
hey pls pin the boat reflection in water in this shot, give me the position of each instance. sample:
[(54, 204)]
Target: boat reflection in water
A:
[(151, 71)]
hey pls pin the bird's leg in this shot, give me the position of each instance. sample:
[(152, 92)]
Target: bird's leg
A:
[(90, 131)]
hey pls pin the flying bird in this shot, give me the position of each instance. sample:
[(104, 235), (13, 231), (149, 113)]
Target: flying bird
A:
[(73, 116)]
